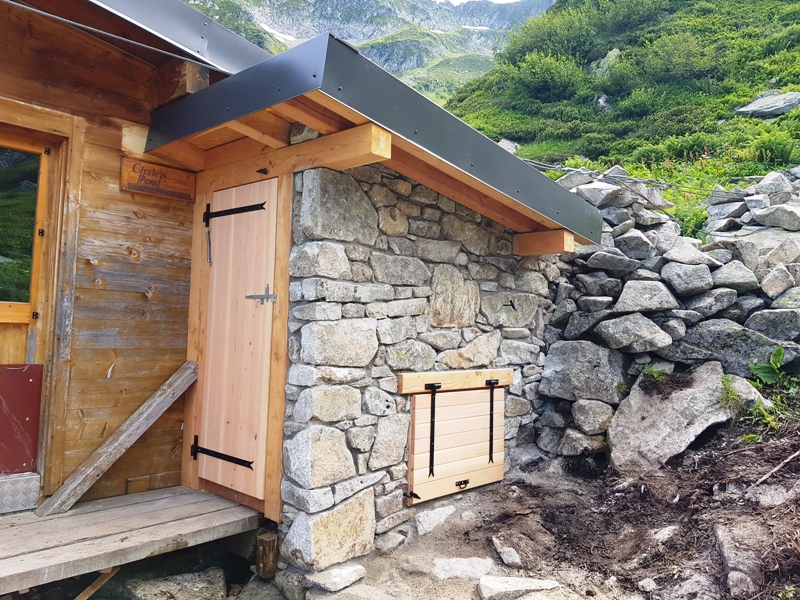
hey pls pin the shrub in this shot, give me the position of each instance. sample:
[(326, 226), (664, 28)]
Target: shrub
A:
[(622, 77), (595, 145), (549, 77), (773, 148), (678, 57), (642, 102), (566, 32)]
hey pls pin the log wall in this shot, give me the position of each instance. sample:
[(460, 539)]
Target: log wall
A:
[(129, 304)]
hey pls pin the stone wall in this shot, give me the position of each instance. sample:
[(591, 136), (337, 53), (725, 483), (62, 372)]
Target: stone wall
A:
[(648, 302), (389, 276)]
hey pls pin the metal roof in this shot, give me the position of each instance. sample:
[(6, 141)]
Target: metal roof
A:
[(338, 70), (191, 31)]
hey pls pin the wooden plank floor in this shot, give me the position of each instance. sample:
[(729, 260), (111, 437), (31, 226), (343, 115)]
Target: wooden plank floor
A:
[(106, 533)]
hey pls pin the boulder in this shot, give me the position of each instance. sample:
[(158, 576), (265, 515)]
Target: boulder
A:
[(390, 441), (643, 296), (318, 456), (788, 299), (336, 578), (582, 370), (328, 403), (454, 301), (429, 520), (650, 427), (634, 244), (774, 183), (509, 588), (205, 585), (475, 238), (633, 333), (688, 280), (733, 345), (333, 206), (575, 443), (316, 542), (777, 281), (439, 251), (712, 302), (472, 568), (664, 236), (399, 270), (735, 276), (575, 178), (771, 106), (617, 265), (597, 193), (743, 307), (343, 343), (410, 355), (684, 252), (780, 324), (581, 322), (592, 417), (785, 216), (509, 309), (325, 259), (478, 353), (729, 210)]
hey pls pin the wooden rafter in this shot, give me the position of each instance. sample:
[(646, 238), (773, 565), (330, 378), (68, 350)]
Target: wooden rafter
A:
[(544, 242)]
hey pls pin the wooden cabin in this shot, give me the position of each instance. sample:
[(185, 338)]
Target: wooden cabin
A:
[(247, 277)]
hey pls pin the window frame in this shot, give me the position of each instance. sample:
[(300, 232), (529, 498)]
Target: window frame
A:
[(21, 313)]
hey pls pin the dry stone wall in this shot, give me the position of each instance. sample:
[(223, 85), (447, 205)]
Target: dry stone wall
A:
[(648, 299), (388, 276)]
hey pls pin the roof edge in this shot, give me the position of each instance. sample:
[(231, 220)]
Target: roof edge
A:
[(190, 30)]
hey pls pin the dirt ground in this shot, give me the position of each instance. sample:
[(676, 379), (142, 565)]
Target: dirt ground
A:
[(596, 534), (599, 535)]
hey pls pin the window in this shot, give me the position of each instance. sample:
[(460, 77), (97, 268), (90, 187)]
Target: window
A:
[(21, 206)]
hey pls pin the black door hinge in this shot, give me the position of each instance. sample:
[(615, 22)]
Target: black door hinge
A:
[(197, 449)]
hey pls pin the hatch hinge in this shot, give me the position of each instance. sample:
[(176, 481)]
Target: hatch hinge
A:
[(197, 449), (432, 387), (491, 383), (208, 214)]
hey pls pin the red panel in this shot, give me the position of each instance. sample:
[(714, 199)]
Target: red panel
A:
[(20, 400)]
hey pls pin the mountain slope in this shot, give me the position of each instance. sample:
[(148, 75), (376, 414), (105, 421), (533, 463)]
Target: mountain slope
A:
[(399, 35), (672, 73)]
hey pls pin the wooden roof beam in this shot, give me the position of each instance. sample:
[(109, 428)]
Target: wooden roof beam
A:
[(540, 243), (344, 150), (311, 114), (180, 154)]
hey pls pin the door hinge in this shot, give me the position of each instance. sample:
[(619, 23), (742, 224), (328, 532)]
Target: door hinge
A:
[(197, 449)]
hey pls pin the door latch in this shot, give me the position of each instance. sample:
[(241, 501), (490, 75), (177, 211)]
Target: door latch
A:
[(263, 297)]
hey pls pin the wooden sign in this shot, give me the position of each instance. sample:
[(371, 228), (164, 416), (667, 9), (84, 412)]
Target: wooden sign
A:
[(155, 180)]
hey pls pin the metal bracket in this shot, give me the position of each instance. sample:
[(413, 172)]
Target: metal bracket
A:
[(462, 484), (432, 387), (197, 449), (492, 383), (262, 297), (208, 215), (411, 494)]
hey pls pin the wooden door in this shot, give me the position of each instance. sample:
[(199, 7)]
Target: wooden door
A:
[(235, 366)]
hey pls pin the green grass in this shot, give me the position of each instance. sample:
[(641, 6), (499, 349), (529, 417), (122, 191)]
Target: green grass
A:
[(547, 150), (18, 217), (440, 79), (685, 65)]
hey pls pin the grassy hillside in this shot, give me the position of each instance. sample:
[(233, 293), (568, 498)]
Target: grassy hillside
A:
[(684, 65), (440, 80)]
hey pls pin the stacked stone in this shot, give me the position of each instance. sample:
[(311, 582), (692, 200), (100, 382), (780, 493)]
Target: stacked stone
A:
[(649, 296), (388, 276)]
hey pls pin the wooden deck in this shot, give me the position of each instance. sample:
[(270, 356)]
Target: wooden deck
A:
[(106, 533)]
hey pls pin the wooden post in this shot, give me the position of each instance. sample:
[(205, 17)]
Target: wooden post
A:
[(118, 442), (267, 563)]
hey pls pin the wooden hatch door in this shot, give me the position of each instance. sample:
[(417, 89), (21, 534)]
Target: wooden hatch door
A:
[(231, 440)]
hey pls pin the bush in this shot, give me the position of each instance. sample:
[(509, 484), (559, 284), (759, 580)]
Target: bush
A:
[(642, 102), (622, 77), (773, 148), (595, 145), (548, 77), (678, 57), (567, 32), (787, 39)]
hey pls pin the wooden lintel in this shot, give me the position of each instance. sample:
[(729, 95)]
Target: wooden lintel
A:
[(79, 482), (414, 383), (179, 154), (15, 312), (539, 243), (344, 150), (176, 79)]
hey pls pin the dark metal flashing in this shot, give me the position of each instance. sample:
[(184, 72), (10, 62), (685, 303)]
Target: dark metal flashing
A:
[(338, 70), (191, 31)]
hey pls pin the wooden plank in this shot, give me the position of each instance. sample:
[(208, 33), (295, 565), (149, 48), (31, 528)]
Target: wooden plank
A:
[(265, 137), (13, 344), (232, 495), (15, 312), (177, 154), (279, 353), (122, 439), (234, 152), (456, 468), (440, 487), (195, 349), (54, 438), (35, 118), (236, 392), (98, 423), (419, 446), (454, 413), (55, 564), (444, 456), (414, 383), (266, 123), (311, 114), (458, 398), (544, 242), (97, 583), (176, 79), (73, 529), (454, 426), (354, 147)]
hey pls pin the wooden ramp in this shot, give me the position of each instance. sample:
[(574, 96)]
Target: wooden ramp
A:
[(106, 533)]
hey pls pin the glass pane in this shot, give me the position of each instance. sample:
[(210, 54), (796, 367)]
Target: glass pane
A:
[(19, 176)]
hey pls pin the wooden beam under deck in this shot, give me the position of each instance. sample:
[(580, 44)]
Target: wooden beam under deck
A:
[(107, 533), (544, 242)]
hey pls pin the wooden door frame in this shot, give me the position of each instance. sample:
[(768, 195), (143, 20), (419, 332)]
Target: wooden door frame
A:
[(52, 331)]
